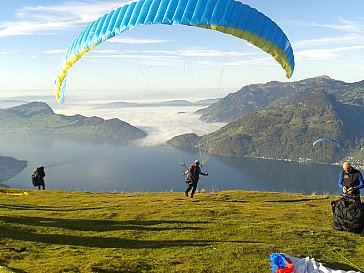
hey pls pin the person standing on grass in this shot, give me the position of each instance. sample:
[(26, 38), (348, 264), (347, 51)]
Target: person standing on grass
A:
[(38, 178), (192, 177)]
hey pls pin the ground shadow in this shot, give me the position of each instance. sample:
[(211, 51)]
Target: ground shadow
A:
[(4, 267), (17, 270), (46, 208), (109, 242), (103, 225), (297, 200), (236, 201)]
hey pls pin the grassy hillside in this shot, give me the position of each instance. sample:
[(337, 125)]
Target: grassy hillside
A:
[(231, 231), (285, 132), (288, 131)]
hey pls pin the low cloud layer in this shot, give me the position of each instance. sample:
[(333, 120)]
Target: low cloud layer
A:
[(161, 123)]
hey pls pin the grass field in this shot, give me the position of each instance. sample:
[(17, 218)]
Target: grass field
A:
[(230, 231)]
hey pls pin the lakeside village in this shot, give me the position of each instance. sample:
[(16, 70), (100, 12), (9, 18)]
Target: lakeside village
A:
[(357, 163)]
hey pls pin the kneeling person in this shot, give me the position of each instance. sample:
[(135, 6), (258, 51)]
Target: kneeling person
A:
[(351, 181)]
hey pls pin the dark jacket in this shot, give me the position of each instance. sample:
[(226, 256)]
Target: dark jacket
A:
[(38, 177), (41, 172), (351, 179)]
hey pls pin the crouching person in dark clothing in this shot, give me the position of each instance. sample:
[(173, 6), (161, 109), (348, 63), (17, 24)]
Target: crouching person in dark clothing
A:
[(351, 181), (192, 177)]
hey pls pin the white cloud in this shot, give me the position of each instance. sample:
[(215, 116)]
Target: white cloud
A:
[(209, 53), (182, 53), (106, 51), (159, 63), (171, 58), (50, 19), (123, 55), (343, 25), (324, 53), (31, 27), (203, 53), (256, 61), (346, 26), (131, 41), (54, 51), (315, 54), (350, 38), (161, 123), (140, 60), (328, 48), (8, 52)]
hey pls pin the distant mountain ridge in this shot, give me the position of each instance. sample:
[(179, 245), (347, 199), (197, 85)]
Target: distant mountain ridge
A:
[(254, 97), (10, 167), (171, 103), (11, 102), (38, 117)]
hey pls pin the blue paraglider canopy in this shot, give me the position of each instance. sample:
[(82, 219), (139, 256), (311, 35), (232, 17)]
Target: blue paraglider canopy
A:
[(325, 139), (226, 16)]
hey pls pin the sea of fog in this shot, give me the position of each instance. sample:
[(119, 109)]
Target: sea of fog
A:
[(102, 165), (161, 123)]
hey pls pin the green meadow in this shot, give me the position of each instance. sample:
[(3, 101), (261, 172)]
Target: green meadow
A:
[(229, 231)]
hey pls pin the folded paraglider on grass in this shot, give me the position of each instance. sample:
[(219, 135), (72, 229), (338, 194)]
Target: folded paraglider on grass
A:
[(283, 263)]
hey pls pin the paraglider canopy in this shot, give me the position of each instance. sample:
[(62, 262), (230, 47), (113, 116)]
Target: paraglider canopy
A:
[(226, 16), (325, 139)]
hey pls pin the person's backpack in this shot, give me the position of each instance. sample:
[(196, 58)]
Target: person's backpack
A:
[(191, 174), (348, 215), (35, 178)]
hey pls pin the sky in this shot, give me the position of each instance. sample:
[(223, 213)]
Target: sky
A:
[(162, 62)]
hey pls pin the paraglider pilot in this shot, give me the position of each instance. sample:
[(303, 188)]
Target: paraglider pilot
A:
[(351, 181), (192, 177), (38, 178)]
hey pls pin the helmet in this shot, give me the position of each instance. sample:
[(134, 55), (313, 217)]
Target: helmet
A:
[(197, 161)]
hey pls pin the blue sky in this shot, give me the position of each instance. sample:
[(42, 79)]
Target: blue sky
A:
[(172, 61)]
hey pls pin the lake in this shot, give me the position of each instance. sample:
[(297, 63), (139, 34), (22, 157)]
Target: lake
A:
[(101, 165)]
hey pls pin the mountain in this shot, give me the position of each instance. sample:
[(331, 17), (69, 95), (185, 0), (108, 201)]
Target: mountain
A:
[(11, 103), (31, 109), (10, 167), (184, 141), (254, 97), (38, 117), (207, 101), (288, 131), (172, 103)]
